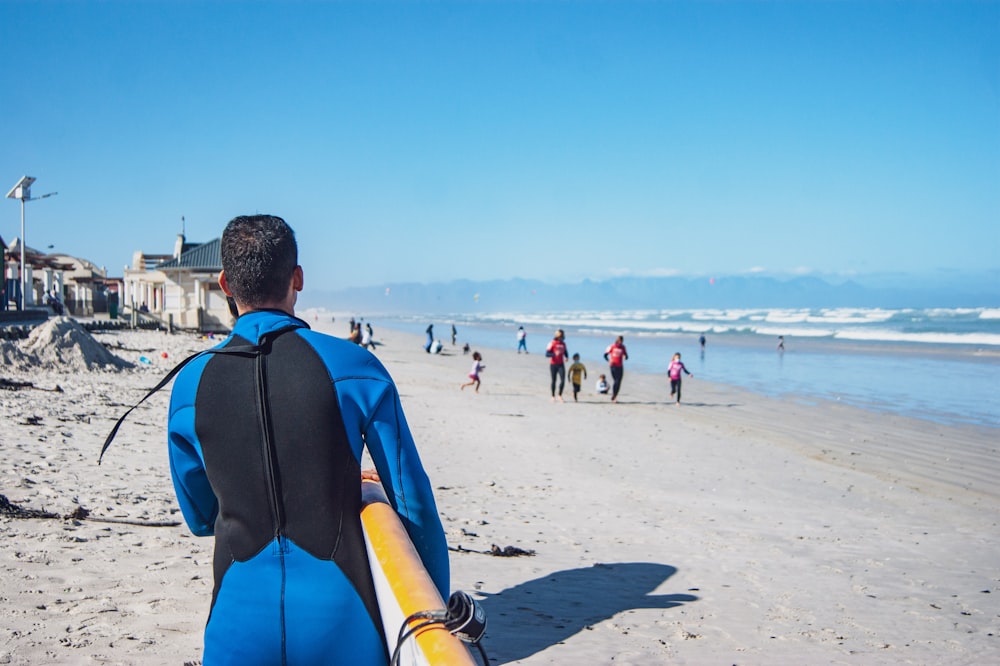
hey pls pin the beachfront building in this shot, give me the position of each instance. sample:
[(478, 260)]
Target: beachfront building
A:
[(84, 288), (78, 285), (181, 289), (44, 274)]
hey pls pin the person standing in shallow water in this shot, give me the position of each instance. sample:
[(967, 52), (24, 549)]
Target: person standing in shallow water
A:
[(616, 355), (556, 353), (522, 340), (674, 371)]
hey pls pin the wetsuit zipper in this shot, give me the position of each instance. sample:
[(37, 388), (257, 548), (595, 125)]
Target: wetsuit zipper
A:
[(271, 461), (271, 456)]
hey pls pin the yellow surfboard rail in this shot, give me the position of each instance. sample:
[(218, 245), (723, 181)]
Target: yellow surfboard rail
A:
[(399, 572)]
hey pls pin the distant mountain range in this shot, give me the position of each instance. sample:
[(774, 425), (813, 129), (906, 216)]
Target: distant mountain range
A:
[(518, 295)]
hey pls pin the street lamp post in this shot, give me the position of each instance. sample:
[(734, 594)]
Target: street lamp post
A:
[(22, 191)]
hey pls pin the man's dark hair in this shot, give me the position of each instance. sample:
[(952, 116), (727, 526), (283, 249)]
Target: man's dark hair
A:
[(259, 255)]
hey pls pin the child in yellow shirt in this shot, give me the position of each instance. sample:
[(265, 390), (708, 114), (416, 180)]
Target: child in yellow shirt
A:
[(576, 371)]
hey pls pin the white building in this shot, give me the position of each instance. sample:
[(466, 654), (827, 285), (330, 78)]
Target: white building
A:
[(78, 284), (182, 288)]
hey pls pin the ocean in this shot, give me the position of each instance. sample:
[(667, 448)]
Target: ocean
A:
[(938, 364)]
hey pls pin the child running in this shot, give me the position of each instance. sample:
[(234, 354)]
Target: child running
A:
[(577, 373), (675, 369), (477, 367)]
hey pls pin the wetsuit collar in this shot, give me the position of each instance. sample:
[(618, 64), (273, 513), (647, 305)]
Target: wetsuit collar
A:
[(254, 325)]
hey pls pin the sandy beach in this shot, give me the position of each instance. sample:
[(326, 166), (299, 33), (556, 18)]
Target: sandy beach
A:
[(735, 529)]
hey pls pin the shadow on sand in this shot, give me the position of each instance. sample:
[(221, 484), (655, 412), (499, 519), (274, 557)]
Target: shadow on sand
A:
[(543, 612)]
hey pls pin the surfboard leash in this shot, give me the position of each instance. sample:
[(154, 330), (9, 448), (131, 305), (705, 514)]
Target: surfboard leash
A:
[(262, 347), (464, 618)]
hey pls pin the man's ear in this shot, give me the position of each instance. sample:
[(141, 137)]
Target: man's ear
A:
[(298, 280), (224, 283)]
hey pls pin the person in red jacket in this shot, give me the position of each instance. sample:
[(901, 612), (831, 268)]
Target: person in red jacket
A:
[(616, 355), (556, 353)]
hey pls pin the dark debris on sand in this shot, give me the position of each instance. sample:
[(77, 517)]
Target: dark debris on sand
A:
[(510, 551), (11, 510), (15, 385), (495, 551)]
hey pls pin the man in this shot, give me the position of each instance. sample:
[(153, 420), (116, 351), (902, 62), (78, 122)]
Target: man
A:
[(616, 355), (556, 352), (266, 435)]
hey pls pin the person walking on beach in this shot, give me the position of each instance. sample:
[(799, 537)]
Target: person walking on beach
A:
[(366, 337), (674, 371), (702, 341), (477, 367), (371, 337), (454, 335), (265, 435), (616, 355), (430, 338), (556, 353), (577, 373), (781, 343), (522, 340)]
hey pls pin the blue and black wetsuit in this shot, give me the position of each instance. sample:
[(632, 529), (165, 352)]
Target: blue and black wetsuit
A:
[(265, 451)]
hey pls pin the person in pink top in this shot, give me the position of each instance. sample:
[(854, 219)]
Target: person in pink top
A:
[(477, 367), (616, 355), (675, 370), (556, 353)]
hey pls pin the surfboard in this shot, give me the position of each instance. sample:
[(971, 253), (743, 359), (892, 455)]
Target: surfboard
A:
[(403, 586)]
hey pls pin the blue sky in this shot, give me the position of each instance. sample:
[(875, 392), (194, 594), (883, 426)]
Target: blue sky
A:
[(549, 140)]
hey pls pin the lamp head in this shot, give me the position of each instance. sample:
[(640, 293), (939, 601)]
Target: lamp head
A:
[(22, 190)]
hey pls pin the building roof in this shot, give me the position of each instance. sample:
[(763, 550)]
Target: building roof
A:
[(34, 258), (204, 257)]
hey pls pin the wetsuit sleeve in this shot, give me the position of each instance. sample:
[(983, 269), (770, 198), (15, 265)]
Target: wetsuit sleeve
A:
[(406, 484), (187, 465)]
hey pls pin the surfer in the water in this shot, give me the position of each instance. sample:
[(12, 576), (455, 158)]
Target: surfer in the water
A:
[(265, 439)]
